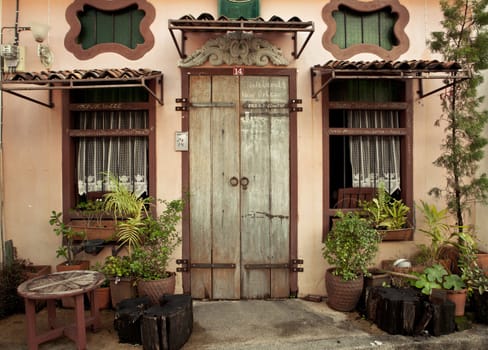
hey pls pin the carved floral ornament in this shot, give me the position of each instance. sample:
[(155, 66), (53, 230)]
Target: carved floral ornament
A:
[(236, 48)]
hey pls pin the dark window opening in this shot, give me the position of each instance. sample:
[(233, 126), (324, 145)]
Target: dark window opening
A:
[(356, 27), (120, 26), (367, 141), (110, 132)]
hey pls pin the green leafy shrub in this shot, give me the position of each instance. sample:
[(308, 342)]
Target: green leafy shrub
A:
[(437, 277), (351, 245), (11, 276)]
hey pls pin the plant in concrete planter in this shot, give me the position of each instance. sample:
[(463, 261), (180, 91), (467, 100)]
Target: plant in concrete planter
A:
[(350, 247)]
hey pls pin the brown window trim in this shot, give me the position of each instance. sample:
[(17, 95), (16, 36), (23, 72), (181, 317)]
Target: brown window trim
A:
[(406, 147), (70, 41), (398, 29), (68, 144)]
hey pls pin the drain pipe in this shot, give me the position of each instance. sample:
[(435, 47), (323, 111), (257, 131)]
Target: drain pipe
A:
[(2, 217)]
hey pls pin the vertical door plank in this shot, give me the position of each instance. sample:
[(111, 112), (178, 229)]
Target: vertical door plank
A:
[(280, 187), (200, 186), (255, 201), (225, 198)]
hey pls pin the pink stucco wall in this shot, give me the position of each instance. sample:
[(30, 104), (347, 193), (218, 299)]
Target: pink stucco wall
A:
[(32, 133)]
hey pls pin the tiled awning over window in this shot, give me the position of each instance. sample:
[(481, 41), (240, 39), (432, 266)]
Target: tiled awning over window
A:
[(413, 69), (80, 79), (208, 24)]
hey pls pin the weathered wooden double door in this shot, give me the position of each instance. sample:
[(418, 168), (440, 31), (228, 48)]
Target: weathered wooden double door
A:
[(239, 186)]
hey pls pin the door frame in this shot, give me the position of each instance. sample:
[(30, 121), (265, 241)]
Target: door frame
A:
[(185, 89)]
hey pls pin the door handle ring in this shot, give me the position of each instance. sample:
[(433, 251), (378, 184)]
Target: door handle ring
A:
[(244, 182), (234, 181)]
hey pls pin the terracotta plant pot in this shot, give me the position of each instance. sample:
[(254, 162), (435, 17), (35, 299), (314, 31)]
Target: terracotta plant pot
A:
[(342, 295), (102, 295), (157, 288), (458, 297), (482, 260), (403, 234), (122, 288)]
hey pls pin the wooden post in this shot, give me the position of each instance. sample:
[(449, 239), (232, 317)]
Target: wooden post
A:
[(127, 321), (169, 325)]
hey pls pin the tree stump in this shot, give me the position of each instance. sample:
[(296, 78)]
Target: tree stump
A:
[(127, 320), (169, 325), (443, 319), (406, 311), (394, 310)]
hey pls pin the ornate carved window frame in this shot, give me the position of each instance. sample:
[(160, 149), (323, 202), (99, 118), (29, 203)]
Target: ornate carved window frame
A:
[(398, 29), (70, 41)]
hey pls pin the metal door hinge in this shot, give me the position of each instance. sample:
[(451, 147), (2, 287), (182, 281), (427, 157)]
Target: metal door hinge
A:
[(184, 104), (294, 263), (292, 105), (184, 265)]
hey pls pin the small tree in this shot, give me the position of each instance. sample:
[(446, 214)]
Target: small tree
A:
[(464, 40)]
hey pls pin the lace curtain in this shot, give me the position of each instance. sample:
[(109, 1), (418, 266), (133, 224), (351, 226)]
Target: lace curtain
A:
[(125, 157), (375, 159)]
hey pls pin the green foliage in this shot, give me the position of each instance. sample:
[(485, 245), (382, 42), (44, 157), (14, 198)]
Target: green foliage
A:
[(441, 234), (436, 276), (91, 209), (68, 234), (351, 245), (116, 266), (150, 260), (384, 211), (464, 40), (472, 274), (11, 276), (123, 204)]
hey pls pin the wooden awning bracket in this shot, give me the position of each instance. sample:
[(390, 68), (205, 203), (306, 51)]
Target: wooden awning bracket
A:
[(12, 86), (420, 75)]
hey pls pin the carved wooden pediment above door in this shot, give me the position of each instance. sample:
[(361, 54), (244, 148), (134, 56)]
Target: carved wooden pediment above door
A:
[(236, 48)]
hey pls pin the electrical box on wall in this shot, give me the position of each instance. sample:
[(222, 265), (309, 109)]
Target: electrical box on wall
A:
[(13, 58), (234, 9)]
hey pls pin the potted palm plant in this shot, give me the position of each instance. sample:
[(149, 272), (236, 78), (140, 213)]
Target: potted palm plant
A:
[(150, 260), (150, 239), (349, 248)]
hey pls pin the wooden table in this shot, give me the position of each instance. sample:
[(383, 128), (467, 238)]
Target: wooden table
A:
[(56, 286)]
